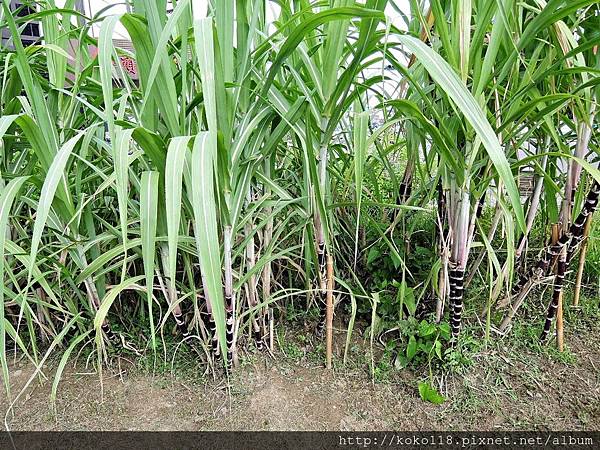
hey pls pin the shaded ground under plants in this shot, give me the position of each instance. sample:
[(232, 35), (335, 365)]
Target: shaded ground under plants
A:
[(506, 386)]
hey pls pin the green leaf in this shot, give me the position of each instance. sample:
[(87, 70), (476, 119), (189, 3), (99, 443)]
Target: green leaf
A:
[(176, 156), (426, 328), (54, 176), (205, 228), (430, 394), (6, 200), (445, 330), (438, 349), (109, 299), (446, 78), (411, 348), (203, 34), (308, 25), (105, 53), (373, 255), (148, 224), (361, 126), (409, 298), (121, 164)]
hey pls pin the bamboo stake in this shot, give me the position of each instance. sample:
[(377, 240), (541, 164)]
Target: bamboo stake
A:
[(586, 232), (271, 330), (329, 315), (560, 332), (556, 231)]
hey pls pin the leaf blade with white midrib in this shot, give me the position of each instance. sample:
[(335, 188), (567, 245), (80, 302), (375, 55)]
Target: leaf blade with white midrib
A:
[(9, 193), (176, 155), (53, 177), (205, 222), (148, 224), (447, 79)]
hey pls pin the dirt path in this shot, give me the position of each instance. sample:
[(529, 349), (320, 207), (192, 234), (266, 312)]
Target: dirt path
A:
[(503, 389)]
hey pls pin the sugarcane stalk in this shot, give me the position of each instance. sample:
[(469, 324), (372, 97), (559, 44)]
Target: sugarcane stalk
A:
[(443, 248), (582, 254), (267, 270), (229, 297), (171, 291), (251, 284), (551, 254), (405, 188), (271, 330), (329, 316), (320, 240), (212, 328), (548, 260), (442, 284), (584, 134), (497, 213), (554, 305), (458, 260), (456, 297), (577, 229), (560, 333)]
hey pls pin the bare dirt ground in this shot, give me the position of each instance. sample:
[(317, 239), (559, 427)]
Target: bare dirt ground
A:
[(504, 388)]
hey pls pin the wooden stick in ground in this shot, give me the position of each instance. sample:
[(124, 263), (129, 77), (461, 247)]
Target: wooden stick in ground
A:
[(586, 232), (560, 332), (559, 312), (271, 330), (329, 312)]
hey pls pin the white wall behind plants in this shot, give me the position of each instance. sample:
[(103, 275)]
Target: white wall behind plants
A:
[(200, 8)]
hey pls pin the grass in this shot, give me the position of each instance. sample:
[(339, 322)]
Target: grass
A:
[(495, 386)]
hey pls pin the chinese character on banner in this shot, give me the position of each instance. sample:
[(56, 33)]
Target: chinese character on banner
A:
[(129, 65)]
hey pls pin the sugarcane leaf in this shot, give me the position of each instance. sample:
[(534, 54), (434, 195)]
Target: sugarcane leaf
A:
[(5, 123), (53, 177), (148, 225), (161, 55), (121, 165), (109, 299), (38, 277), (98, 263), (411, 348), (9, 193), (105, 53), (153, 146), (205, 228), (176, 156), (447, 79), (361, 124), (203, 34), (308, 26), (63, 362)]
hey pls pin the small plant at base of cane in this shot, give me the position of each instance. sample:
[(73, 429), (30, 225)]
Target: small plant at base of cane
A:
[(424, 342), (429, 394)]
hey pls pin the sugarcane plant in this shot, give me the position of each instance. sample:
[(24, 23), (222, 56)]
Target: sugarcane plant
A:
[(247, 158)]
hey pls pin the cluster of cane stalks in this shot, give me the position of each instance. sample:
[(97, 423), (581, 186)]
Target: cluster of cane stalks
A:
[(260, 140)]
